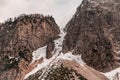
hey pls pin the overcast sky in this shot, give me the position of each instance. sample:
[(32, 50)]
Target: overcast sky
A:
[(61, 10)]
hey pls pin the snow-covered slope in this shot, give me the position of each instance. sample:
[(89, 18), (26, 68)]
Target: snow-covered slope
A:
[(70, 56), (113, 75), (39, 53)]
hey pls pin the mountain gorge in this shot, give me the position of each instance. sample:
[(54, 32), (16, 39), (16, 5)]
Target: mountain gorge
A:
[(34, 47)]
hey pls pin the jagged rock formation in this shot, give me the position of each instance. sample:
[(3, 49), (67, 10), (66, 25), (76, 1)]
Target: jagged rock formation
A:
[(94, 32), (19, 38)]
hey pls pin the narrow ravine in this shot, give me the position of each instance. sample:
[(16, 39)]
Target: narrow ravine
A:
[(47, 63)]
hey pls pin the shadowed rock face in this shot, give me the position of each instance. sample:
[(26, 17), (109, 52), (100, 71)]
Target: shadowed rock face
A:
[(93, 32), (21, 36)]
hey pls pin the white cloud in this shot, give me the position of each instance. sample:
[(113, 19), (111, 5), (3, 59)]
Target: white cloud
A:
[(61, 10)]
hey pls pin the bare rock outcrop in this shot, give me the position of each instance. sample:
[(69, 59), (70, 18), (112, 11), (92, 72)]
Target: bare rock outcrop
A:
[(19, 38), (94, 32)]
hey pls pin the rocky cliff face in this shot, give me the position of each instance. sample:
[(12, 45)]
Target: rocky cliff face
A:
[(19, 38), (93, 32), (33, 48)]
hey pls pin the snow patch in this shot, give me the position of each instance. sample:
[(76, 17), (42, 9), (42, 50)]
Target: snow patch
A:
[(39, 53), (11, 57), (70, 56), (111, 74), (44, 64)]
